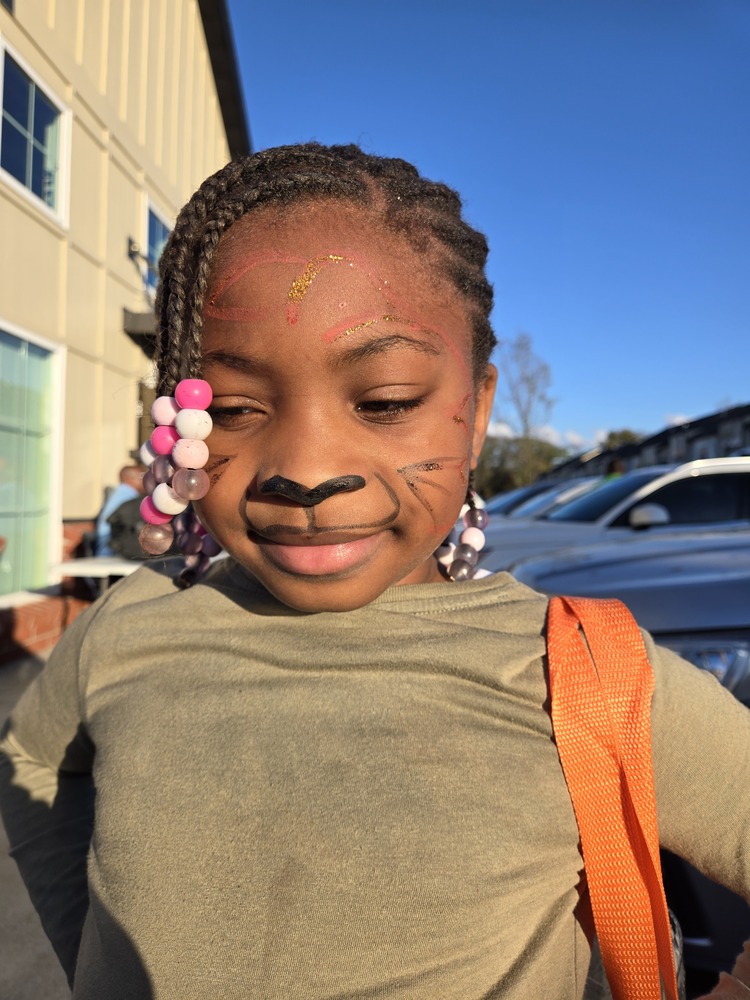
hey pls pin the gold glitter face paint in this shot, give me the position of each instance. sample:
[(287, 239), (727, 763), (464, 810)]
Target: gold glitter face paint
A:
[(301, 284)]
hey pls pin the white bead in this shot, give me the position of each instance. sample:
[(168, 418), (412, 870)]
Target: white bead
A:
[(147, 453), (195, 424), (445, 554), (166, 500), (474, 537)]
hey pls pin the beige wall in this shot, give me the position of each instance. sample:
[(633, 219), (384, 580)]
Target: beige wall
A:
[(145, 128)]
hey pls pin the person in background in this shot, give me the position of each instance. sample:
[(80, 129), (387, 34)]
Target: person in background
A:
[(130, 487)]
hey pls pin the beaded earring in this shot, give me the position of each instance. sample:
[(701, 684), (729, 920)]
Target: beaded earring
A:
[(175, 455), (460, 561)]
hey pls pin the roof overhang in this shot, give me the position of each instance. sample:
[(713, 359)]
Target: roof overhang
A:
[(220, 40)]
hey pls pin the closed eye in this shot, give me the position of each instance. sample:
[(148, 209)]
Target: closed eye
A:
[(386, 410)]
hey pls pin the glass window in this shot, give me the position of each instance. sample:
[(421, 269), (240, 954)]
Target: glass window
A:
[(706, 499), (25, 457), (594, 505), (30, 137), (158, 232)]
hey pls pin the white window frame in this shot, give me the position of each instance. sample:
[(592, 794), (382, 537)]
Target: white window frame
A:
[(61, 215), (57, 410)]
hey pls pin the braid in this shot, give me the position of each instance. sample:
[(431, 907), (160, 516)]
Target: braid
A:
[(426, 213)]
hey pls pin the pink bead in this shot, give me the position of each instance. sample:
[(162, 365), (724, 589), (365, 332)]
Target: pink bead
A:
[(474, 537), (151, 515), (156, 539), (190, 454), (164, 409), (163, 439), (194, 393), (191, 484)]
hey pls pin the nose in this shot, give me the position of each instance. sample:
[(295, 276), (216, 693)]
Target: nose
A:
[(310, 497)]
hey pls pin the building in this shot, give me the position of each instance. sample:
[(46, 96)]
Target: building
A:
[(717, 435), (112, 114)]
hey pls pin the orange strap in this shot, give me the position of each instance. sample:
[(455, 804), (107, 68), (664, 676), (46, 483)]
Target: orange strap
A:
[(601, 685)]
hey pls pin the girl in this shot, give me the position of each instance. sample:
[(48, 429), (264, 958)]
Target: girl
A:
[(326, 769)]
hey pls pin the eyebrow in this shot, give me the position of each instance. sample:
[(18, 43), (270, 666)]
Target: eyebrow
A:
[(379, 345), (235, 362)]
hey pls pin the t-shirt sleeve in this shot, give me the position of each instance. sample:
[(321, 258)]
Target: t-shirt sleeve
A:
[(701, 751), (47, 794)]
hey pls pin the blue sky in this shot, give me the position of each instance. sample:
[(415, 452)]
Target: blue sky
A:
[(602, 145)]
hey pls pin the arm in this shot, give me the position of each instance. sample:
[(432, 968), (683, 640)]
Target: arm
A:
[(701, 748), (47, 796)]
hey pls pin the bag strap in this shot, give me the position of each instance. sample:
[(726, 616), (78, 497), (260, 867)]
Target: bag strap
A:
[(601, 684)]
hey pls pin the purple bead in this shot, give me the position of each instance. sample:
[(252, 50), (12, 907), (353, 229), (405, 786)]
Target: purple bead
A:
[(191, 484), (162, 469), (156, 539), (193, 393), (181, 522), (475, 517), (467, 554), (189, 543), (461, 570), (149, 482), (210, 546), (197, 563)]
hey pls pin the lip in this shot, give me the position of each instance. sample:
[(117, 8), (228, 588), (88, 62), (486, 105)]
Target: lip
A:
[(312, 557)]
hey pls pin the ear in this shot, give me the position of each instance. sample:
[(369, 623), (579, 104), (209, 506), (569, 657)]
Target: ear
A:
[(485, 396)]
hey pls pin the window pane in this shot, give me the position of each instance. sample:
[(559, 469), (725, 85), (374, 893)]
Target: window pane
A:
[(25, 462), (14, 150), (700, 499), (158, 234), (10, 473), (16, 93)]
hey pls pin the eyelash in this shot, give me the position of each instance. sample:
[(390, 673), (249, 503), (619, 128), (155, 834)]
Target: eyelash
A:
[(386, 410), (374, 410)]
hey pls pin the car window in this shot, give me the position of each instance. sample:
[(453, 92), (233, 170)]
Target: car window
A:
[(703, 499), (592, 506)]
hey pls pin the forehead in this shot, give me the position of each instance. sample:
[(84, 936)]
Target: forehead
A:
[(305, 257)]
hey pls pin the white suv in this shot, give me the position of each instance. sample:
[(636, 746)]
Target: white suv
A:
[(711, 494)]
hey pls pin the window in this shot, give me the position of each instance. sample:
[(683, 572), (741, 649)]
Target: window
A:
[(158, 232), (30, 137), (706, 499), (26, 374)]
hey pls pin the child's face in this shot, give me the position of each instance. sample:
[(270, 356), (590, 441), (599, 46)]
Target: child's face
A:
[(336, 353)]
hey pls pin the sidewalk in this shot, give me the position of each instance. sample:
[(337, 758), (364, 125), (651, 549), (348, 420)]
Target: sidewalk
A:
[(29, 969)]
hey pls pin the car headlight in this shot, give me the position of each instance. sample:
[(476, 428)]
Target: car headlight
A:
[(727, 659)]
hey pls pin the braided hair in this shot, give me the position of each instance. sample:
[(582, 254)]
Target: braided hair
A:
[(428, 214)]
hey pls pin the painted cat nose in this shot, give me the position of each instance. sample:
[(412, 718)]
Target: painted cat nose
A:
[(280, 486)]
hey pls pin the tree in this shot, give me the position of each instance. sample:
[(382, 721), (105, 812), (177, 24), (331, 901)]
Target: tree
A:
[(615, 439), (525, 380), (506, 462)]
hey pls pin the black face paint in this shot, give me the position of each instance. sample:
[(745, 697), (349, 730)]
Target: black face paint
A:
[(280, 486)]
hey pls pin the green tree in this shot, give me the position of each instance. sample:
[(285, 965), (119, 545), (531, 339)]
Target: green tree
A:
[(615, 439)]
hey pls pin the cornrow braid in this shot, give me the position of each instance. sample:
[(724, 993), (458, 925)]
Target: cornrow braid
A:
[(426, 213)]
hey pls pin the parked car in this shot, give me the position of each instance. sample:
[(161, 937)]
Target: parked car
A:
[(555, 496), (504, 503), (709, 494), (692, 592)]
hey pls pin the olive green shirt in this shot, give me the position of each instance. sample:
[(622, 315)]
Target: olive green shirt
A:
[(351, 805)]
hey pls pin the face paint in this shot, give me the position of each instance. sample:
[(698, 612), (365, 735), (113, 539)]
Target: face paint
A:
[(365, 393)]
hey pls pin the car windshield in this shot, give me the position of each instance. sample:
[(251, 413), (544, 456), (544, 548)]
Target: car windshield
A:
[(503, 503), (553, 497), (593, 505)]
